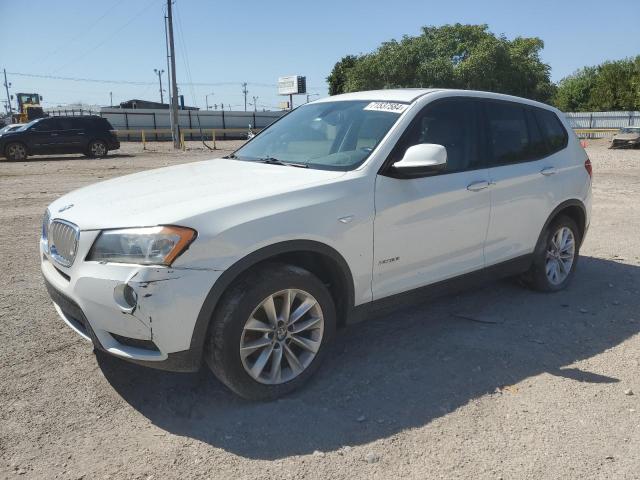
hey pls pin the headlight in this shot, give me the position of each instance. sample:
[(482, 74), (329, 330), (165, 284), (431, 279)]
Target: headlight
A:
[(45, 230), (145, 246)]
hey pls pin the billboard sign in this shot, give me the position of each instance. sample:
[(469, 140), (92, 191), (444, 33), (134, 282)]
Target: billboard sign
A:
[(292, 85)]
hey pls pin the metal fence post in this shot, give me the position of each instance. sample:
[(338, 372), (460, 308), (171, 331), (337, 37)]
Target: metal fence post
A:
[(155, 126)]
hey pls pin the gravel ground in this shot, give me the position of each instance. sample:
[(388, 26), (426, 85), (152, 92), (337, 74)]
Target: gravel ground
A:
[(493, 383)]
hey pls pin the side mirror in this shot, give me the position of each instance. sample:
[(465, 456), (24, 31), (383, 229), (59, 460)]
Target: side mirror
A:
[(422, 159)]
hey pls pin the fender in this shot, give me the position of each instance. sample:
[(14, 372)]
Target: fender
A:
[(567, 203), (229, 275)]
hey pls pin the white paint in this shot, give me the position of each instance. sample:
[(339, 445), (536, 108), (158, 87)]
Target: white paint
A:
[(424, 229)]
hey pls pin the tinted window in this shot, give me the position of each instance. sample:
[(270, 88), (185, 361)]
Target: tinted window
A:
[(66, 123), (552, 129), (46, 125), (538, 145), (451, 123), (508, 132)]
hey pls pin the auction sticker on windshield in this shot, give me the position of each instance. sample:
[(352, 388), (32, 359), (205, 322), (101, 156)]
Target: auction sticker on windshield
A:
[(387, 107)]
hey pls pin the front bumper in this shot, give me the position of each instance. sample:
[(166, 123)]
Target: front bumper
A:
[(157, 332)]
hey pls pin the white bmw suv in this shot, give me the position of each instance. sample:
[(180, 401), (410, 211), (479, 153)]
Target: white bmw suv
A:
[(252, 261)]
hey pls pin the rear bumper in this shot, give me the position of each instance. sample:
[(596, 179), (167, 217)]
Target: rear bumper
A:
[(113, 144)]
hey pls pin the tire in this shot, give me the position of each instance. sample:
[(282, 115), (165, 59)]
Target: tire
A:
[(247, 299), (97, 149), (540, 276), (15, 152)]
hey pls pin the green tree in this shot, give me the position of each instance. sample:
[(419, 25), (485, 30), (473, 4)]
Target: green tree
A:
[(451, 56), (338, 75), (613, 85)]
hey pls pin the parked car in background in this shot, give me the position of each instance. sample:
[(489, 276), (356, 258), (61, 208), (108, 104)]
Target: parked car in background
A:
[(250, 262), (627, 137), (10, 128), (90, 135)]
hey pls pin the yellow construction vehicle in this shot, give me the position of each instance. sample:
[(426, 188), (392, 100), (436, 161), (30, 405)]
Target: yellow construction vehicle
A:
[(28, 107)]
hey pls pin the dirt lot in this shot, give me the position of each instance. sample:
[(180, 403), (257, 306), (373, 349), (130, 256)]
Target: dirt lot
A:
[(493, 383)]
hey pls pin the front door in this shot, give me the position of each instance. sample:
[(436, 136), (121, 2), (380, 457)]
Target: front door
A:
[(433, 228)]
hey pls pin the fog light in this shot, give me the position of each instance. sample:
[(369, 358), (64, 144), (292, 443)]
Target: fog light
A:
[(125, 297)]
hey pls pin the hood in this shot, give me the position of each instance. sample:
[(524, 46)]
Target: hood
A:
[(172, 194)]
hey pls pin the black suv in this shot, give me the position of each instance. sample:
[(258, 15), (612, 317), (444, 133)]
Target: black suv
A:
[(87, 134)]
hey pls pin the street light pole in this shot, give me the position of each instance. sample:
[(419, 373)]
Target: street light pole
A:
[(206, 99), (159, 73)]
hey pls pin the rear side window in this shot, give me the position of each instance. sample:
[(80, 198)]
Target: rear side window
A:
[(552, 129), (66, 123), (508, 131)]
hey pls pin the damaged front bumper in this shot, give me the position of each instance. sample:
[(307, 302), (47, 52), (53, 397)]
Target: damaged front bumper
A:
[(155, 329)]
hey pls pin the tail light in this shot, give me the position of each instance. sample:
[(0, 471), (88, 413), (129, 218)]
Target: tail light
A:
[(587, 167)]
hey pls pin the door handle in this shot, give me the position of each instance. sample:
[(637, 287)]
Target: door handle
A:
[(549, 171), (477, 186)]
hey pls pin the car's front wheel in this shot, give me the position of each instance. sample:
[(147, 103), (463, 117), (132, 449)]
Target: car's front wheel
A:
[(555, 256), (15, 152), (271, 331), (97, 149)]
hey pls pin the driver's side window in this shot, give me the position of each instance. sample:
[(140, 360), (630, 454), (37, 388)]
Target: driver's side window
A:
[(452, 123), (47, 125)]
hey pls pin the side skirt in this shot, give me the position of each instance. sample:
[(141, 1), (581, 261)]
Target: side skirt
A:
[(475, 279)]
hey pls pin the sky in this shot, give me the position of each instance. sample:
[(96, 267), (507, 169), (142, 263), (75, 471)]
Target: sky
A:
[(220, 44)]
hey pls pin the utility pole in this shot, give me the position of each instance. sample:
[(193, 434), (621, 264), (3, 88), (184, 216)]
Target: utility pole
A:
[(166, 45), (245, 91), (255, 103), (6, 86), (159, 73), (175, 129), (111, 99)]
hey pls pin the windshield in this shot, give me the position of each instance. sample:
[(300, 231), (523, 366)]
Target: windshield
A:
[(327, 135), (630, 130)]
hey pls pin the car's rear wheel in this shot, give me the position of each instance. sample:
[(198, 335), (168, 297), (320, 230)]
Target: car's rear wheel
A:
[(555, 257), (271, 331), (97, 149), (15, 152)]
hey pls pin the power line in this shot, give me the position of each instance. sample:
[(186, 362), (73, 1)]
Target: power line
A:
[(109, 37), (76, 37), (130, 82)]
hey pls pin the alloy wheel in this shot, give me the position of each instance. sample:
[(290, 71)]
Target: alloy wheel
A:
[(16, 152), (282, 336), (98, 149), (561, 252)]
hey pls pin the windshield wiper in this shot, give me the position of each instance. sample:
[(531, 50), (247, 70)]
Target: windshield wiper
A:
[(275, 161)]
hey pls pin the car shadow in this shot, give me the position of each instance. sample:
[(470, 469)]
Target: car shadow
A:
[(401, 370)]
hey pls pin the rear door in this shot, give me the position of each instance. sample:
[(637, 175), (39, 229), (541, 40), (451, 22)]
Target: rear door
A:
[(70, 134), (43, 136), (524, 175), (433, 228)]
